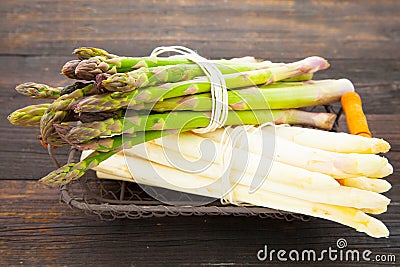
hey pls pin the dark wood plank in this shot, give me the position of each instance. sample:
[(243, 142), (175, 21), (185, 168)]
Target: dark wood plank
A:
[(289, 29), (359, 38), (36, 230)]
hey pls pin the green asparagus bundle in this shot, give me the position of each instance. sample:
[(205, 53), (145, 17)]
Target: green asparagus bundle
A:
[(167, 79), (59, 109)]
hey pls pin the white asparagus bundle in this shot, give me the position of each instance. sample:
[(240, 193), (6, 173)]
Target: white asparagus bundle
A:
[(336, 195), (302, 185), (116, 169), (351, 217)]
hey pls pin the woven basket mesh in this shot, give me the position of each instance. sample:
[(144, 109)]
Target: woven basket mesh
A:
[(111, 199)]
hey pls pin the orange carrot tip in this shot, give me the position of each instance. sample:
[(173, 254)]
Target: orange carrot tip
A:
[(355, 117)]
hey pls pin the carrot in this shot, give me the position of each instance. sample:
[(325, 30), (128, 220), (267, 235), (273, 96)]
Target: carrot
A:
[(355, 117)]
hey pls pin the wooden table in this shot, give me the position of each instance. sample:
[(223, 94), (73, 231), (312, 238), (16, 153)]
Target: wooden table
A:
[(359, 38)]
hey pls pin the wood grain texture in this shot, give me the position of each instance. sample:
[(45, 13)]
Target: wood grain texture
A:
[(359, 38), (289, 29), (35, 229)]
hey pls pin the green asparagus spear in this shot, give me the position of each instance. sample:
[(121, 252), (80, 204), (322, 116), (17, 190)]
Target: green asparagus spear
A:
[(73, 171), (134, 122), (88, 69), (37, 90), (162, 93), (164, 74), (110, 146), (29, 115), (311, 94), (89, 52)]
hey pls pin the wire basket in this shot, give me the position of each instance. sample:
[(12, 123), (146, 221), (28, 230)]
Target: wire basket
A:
[(112, 199)]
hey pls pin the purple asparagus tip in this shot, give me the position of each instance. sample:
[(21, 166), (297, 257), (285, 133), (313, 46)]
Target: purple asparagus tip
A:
[(69, 68), (313, 64)]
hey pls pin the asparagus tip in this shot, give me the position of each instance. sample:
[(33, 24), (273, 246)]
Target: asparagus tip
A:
[(88, 52), (25, 88), (313, 64), (88, 69), (69, 68), (37, 90), (62, 175), (380, 146), (116, 82), (28, 116)]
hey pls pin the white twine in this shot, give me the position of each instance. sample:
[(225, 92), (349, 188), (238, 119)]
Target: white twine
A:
[(227, 145), (219, 92), (219, 115)]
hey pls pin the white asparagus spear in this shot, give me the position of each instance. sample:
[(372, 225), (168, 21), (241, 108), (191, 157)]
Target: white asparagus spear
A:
[(337, 165), (375, 211), (347, 216), (331, 141), (374, 185)]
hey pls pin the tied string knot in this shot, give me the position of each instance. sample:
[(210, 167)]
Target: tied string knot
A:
[(219, 115)]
